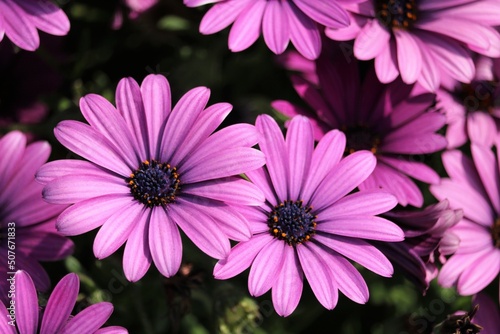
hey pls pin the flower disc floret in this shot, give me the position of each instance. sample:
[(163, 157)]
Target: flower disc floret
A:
[(292, 222), (154, 183), (396, 13)]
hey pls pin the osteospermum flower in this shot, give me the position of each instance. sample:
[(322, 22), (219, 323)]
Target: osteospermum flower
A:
[(473, 110), (25, 316), (20, 19), (386, 119), (422, 40), (27, 222), (152, 169), (473, 185), (310, 225), (298, 21), (426, 238)]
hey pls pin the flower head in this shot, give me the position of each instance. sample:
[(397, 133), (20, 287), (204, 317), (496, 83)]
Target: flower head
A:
[(473, 109), (423, 41), (20, 19), (398, 127), (56, 317), (473, 185), (298, 21), (310, 224), (27, 222), (152, 169)]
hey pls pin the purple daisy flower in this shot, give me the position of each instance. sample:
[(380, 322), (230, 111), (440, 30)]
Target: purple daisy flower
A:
[(425, 238), (20, 19), (56, 318), (473, 110), (298, 21), (423, 41), (473, 185), (151, 170), (310, 224), (28, 233), (386, 119)]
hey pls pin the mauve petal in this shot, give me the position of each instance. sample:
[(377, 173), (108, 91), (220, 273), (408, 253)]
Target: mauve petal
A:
[(461, 170), (487, 168), (136, 256), (54, 169), (246, 27), (475, 207), (60, 304), (164, 243), (34, 156), (327, 13), (233, 161), (76, 188), (304, 32), (4, 325), (358, 251), (35, 270), (350, 32), (205, 124), (157, 101), (273, 146), (418, 144), (415, 169), (231, 222), (489, 315), (346, 176), (481, 128), (90, 144), (46, 16), (116, 230), (90, 214), (26, 303), (368, 202), (371, 40), (451, 56), (112, 330), (319, 276), (12, 146), (181, 120), (266, 268), (484, 271), (44, 246), (222, 15), (230, 137), (349, 280), (200, 228), (493, 37), (89, 320), (430, 76), (426, 123), (287, 288), (409, 56), (18, 26), (105, 119), (363, 227), (230, 190), (456, 265), (326, 156), (386, 64), (260, 177), (475, 10), (275, 27), (300, 147), (473, 237), (241, 256), (129, 104), (431, 5)]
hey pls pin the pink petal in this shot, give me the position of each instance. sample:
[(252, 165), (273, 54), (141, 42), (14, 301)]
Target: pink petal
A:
[(481, 128), (275, 27), (327, 13), (287, 288), (26, 303), (46, 16), (304, 32), (371, 40), (246, 27), (409, 56), (356, 203), (89, 320), (136, 256), (386, 64), (363, 227), (221, 15), (266, 268)]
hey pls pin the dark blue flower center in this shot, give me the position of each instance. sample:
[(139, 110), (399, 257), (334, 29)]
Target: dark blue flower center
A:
[(292, 222), (154, 183), (479, 96), (396, 13), (360, 138)]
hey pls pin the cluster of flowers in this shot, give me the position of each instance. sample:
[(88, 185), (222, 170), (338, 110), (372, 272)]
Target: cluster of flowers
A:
[(336, 189)]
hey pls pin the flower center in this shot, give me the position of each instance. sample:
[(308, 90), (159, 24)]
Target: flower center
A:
[(495, 233), (291, 222), (479, 96), (460, 324), (154, 183), (360, 138), (396, 13)]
